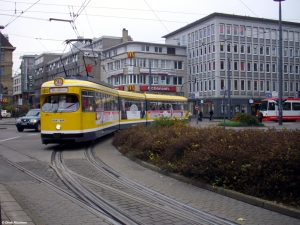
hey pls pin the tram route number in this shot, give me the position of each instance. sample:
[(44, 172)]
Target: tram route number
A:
[(58, 120)]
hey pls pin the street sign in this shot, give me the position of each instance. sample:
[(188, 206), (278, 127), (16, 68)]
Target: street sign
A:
[(196, 107)]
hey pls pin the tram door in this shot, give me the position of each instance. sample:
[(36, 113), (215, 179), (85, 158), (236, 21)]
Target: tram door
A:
[(254, 108)]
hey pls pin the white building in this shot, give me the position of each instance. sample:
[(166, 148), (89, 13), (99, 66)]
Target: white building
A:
[(250, 45)]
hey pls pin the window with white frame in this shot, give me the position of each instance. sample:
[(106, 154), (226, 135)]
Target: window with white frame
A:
[(274, 86), (242, 31), (291, 69), (297, 52), (204, 32), (228, 29), (255, 32), (255, 49), (221, 65), (255, 66), (235, 48), (242, 85), (296, 69), (285, 52), (297, 86), (267, 85), (212, 29), (267, 33), (262, 87), (248, 49), (221, 28), (273, 68), (163, 79), (285, 86), (208, 31), (248, 66), (178, 65), (228, 47), (249, 31), (221, 47), (291, 86), (235, 30), (209, 85), (213, 47), (158, 49), (145, 48), (261, 50), (242, 66), (235, 85), (242, 49), (235, 65), (291, 52), (267, 50), (285, 70), (213, 65), (273, 51), (222, 83), (261, 33), (249, 87), (255, 86), (261, 67), (166, 64), (268, 67)]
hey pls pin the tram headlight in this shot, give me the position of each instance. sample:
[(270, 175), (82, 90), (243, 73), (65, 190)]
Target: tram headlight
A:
[(58, 126)]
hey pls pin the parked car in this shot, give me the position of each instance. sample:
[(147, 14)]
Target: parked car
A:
[(5, 113), (31, 120)]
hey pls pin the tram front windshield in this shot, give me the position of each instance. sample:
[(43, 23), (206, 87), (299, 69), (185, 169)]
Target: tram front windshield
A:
[(60, 103), (264, 106)]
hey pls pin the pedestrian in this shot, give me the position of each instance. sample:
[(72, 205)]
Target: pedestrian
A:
[(200, 116), (211, 113), (190, 116), (259, 116)]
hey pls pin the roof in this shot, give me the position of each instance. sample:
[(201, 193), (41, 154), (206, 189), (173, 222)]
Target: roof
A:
[(5, 42), (230, 16)]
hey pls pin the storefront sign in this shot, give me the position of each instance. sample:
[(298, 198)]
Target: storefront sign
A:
[(158, 88)]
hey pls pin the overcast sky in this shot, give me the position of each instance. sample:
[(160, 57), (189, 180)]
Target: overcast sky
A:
[(27, 22)]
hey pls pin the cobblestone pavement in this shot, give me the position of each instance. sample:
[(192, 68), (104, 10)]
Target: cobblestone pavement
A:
[(32, 202)]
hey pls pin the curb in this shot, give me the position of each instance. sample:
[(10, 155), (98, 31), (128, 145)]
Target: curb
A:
[(293, 212)]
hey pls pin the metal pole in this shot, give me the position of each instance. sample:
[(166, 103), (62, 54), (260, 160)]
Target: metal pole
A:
[(280, 68), (224, 105), (229, 87), (1, 27), (150, 78)]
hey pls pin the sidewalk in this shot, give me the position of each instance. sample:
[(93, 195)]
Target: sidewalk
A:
[(268, 124)]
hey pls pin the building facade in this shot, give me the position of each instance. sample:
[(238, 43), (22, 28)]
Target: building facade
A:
[(6, 63), (142, 66), (241, 52)]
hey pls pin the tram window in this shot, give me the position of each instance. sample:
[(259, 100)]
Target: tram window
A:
[(296, 106), (271, 106), (287, 106)]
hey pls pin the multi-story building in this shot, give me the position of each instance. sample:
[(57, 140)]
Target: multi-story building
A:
[(242, 50), (6, 52), (40, 66), (143, 66), (23, 84)]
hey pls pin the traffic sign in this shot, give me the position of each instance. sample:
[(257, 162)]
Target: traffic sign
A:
[(196, 107)]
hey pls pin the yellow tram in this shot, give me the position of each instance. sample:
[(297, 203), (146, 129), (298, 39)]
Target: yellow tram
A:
[(83, 109)]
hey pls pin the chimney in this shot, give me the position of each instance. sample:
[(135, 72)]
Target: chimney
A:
[(124, 35)]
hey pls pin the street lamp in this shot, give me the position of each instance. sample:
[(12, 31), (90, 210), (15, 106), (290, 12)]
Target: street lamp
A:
[(1, 28), (280, 65)]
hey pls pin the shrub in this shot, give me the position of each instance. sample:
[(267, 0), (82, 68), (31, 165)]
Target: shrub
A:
[(261, 163), (166, 121), (246, 119)]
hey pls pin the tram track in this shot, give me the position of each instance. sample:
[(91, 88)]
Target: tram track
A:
[(84, 189), (161, 201), (72, 196)]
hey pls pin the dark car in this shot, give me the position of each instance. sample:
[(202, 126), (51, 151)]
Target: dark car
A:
[(32, 120)]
